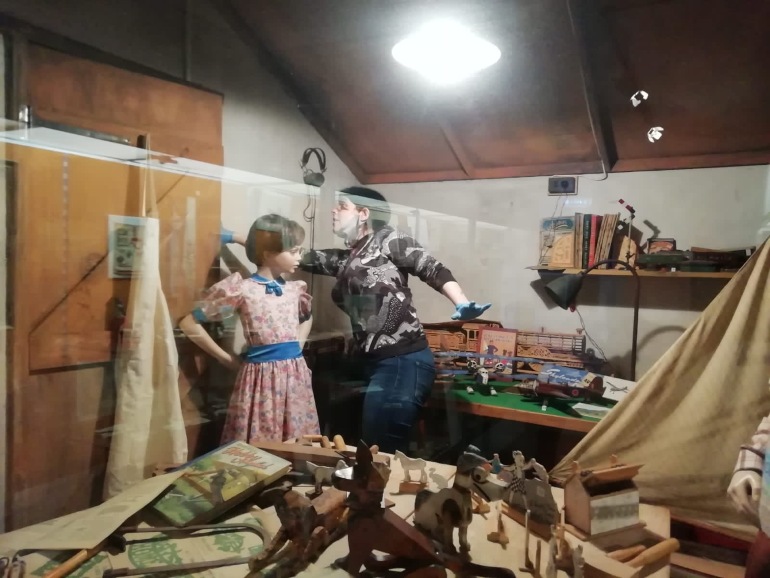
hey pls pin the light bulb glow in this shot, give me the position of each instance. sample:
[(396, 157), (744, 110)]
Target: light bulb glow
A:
[(445, 52)]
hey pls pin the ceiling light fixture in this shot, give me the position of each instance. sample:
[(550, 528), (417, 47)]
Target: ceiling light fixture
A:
[(445, 52)]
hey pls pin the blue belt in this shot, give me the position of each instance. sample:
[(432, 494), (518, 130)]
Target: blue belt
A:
[(272, 352)]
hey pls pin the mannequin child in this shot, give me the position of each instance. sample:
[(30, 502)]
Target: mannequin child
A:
[(272, 399)]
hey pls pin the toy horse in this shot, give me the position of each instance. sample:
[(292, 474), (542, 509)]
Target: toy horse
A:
[(412, 464)]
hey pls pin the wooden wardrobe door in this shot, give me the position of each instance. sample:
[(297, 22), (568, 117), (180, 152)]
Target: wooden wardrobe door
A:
[(61, 387)]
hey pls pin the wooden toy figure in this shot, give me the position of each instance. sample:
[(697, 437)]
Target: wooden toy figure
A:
[(322, 475), (482, 382), (539, 469), (409, 465), (577, 562), (550, 568), (482, 378), (307, 527), (374, 527), (530, 496), (497, 465), (439, 513)]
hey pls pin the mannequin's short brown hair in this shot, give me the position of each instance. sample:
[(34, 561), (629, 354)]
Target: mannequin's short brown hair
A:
[(272, 233)]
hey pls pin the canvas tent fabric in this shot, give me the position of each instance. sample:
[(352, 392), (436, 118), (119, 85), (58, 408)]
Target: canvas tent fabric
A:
[(689, 414)]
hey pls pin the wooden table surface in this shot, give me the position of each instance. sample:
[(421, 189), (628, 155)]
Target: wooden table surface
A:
[(482, 551), (512, 556)]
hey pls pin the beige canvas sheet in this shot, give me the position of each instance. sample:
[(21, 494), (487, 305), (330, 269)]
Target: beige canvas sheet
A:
[(689, 414), (149, 425)]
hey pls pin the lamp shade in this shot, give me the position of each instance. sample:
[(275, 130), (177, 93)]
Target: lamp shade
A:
[(564, 289)]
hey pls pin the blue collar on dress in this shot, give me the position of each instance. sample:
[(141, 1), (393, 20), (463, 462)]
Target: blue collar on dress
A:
[(271, 285)]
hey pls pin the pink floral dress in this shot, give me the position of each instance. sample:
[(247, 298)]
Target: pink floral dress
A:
[(271, 400)]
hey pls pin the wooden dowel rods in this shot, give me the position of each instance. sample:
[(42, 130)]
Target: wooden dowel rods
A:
[(75, 562), (655, 553)]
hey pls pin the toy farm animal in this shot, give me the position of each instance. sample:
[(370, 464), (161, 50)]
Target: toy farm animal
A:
[(373, 527), (323, 475), (482, 382), (439, 513), (307, 527), (412, 464)]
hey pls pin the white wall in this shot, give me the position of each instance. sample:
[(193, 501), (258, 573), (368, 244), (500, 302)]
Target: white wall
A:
[(264, 132), (764, 230), (493, 239)]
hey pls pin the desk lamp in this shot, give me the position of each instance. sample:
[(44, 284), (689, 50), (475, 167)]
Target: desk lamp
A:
[(564, 290)]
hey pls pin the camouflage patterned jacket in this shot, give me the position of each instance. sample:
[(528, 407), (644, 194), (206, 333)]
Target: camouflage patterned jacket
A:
[(372, 288)]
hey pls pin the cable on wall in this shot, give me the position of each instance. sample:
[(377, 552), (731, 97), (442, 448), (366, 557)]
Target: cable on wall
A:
[(587, 101)]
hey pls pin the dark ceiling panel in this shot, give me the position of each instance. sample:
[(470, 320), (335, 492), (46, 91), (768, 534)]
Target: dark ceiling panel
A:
[(702, 61), (704, 64)]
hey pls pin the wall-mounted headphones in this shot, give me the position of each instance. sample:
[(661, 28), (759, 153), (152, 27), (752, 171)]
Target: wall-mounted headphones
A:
[(310, 177)]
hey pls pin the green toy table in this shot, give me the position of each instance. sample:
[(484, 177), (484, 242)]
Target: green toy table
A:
[(510, 406)]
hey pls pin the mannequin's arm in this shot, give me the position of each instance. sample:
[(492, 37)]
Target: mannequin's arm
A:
[(304, 330), (746, 484), (198, 335)]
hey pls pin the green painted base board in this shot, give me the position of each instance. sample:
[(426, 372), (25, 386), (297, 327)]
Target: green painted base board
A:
[(558, 407)]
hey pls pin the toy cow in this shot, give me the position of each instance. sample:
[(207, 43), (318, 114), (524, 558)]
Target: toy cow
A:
[(482, 382)]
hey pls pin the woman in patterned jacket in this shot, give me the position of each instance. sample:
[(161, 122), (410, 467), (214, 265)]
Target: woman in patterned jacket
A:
[(372, 289)]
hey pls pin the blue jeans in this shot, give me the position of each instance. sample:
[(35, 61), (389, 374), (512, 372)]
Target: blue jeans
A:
[(398, 388)]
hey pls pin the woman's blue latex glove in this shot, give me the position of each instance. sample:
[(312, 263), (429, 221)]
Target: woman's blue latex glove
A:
[(469, 310), (225, 235)]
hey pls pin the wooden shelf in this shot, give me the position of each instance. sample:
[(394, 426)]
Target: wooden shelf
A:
[(642, 273)]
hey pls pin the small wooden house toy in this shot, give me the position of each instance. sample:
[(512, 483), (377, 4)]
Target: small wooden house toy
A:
[(601, 501)]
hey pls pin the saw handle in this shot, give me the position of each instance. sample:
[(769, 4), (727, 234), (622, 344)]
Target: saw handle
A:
[(626, 554)]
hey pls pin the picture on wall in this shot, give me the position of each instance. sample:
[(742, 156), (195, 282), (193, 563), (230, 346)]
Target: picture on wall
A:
[(126, 235), (500, 342)]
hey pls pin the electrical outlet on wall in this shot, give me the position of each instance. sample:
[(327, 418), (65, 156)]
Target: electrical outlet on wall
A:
[(562, 186)]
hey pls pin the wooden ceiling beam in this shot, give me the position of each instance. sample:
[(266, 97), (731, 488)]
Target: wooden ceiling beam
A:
[(457, 149), (267, 60), (694, 161), (591, 34)]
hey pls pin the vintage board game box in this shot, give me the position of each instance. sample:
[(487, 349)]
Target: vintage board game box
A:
[(217, 481)]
